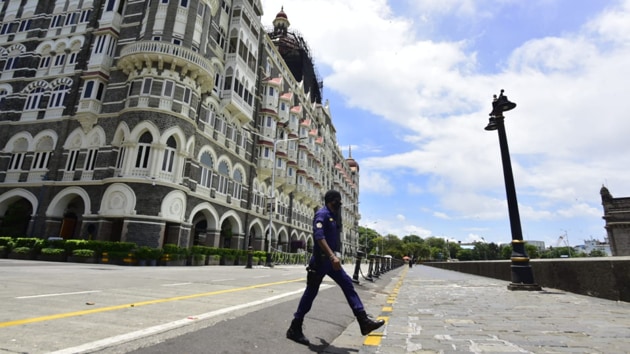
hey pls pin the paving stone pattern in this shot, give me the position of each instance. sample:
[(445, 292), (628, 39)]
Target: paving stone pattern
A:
[(441, 311)]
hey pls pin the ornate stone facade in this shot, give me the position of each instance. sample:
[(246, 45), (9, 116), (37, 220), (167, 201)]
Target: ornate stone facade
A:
[(161, 122)]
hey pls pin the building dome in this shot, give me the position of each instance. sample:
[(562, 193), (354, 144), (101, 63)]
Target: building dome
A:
[(281, 14)]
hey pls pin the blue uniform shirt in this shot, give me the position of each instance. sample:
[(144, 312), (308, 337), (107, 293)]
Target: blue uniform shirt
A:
[(325, 227)]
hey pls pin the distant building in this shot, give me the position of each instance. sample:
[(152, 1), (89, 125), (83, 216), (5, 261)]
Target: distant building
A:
[(592, 245), (617, 217)]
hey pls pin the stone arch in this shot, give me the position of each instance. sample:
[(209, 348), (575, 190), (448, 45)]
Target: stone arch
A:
[(256, 234), (65, 212), (204, 221), (122, 134), (231, 230), (145, 126), (13, 195)]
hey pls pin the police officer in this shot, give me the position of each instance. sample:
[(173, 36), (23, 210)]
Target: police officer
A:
[(325, 262)]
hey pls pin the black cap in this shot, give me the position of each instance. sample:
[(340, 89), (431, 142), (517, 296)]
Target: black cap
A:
[(332, 195)]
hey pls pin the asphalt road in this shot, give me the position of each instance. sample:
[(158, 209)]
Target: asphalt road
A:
[(48, 307)]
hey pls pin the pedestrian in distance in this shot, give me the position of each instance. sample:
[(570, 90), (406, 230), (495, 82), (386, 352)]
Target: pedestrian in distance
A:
[(325, 261)]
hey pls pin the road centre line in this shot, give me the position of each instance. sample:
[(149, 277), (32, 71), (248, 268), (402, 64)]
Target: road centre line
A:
[(58, 294), (176, 284), (141, 303)]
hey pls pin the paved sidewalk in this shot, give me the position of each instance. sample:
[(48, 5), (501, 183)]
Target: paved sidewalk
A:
[(441, 311)]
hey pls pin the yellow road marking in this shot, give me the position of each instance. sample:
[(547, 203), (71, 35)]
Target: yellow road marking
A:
[(375, 338), (136, 304)]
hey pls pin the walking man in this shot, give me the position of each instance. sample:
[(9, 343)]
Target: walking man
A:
[(325, 262)]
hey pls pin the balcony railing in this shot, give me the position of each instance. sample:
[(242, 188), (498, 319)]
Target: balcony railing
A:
[(162, 52)]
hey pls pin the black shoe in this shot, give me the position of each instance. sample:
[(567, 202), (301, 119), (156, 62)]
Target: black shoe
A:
[(295, 333), (367, 324)]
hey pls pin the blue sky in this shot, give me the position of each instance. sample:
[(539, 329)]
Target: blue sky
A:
[(410, 86)]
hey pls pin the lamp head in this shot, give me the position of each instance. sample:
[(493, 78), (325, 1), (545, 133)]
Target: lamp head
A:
[(492, 124), (501, 104)]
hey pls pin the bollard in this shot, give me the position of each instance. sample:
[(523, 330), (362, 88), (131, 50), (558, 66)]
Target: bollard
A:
[(383, 265), (357, 267), (377, 267), (370, 267), (249, 257)]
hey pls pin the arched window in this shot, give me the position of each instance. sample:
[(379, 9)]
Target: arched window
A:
[(224, 177), (207, 166), (19, 151), (58, 95), (237, 187), (144, 150), (169, 155), (34, 97), (43, 151)]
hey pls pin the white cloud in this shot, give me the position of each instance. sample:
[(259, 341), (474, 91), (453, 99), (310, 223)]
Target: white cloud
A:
[(567, 135)]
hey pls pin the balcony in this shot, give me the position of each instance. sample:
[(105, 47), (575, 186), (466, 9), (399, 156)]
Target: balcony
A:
[(148, 53)]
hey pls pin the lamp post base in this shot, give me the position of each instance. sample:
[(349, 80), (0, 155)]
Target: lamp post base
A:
[(524, 287)]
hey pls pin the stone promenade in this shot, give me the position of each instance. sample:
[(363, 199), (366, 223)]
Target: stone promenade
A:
[(432, 310)]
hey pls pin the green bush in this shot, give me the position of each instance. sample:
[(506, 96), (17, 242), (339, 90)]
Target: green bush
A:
[(148, 253), (22, 250), (7, 242), (198, 256), (30, 242), (173, 250), (53, 251), (83, 252)]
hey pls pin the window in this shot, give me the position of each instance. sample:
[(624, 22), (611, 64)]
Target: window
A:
[(144, 150), (224, 177), (89, 86), (121, 157), (271, 91), (206, 170), (146, 86), (85, 16), (168, 88), (15, 164), (169, 155), (44, 62), (10, 64), (58, 95), (56, 21), (177, 41), (89, 89), (187, 95), (71, 19), (73, 58), (183, 3), (25, 26), (237, 187), (60, 59), (90, 161), (110, 5), (71, 164), (40, 161), (32, 102)]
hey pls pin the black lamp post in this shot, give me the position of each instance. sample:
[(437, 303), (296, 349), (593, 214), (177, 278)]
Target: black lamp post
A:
[(522, 275)]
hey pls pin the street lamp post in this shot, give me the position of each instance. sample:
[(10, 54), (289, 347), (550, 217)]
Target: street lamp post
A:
[(522, 275)]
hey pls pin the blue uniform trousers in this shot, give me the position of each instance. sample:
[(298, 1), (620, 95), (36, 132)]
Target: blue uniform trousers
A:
[(314, 280)]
